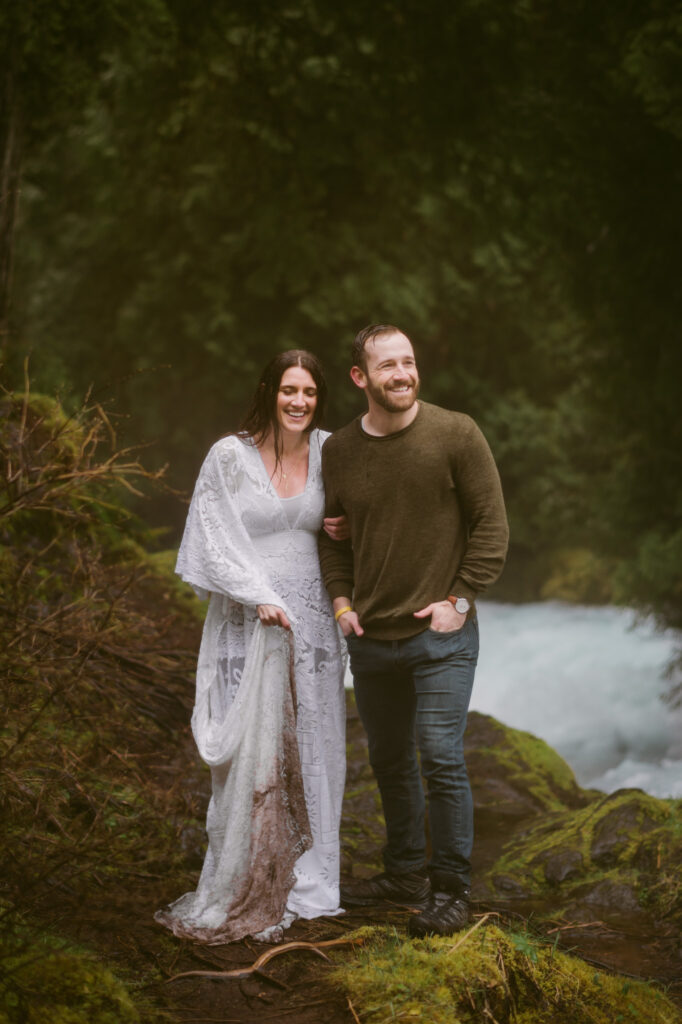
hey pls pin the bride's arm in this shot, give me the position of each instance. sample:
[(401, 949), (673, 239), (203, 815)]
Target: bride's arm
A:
[(217, 554)]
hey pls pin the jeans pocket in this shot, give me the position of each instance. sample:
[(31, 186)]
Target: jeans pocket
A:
[(455, 638)]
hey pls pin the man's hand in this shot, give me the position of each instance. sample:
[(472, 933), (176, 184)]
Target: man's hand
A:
[(444, 616), (336, 527), (349, 621), (271, 615)]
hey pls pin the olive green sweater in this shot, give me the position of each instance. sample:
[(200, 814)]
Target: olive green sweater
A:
[(426, 515)]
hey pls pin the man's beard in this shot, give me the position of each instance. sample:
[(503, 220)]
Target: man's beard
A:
[(393, 401)]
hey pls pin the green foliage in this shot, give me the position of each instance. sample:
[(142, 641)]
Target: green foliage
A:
[(176, 590), (51, 983), (580, 576), (503, 182), (654, 574), (56, 471), (97, 663), (53, 53), (489, 974)]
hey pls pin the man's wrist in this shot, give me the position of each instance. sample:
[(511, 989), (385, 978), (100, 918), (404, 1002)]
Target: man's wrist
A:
[(460, 588), (461, 604)]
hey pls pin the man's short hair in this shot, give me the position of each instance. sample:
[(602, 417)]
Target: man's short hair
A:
[(370, 333)]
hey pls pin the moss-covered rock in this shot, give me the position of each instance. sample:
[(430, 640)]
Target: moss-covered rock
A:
[(514, 775), (489, 974), (618, 855)]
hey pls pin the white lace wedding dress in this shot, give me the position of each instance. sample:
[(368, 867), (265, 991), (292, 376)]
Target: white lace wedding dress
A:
[(262, 728)]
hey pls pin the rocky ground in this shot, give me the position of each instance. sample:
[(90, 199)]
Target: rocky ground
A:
[(599, 874)]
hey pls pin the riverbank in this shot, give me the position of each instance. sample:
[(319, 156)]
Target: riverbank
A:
[(104, 797)]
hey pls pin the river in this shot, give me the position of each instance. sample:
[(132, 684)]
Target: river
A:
[(591, 683)]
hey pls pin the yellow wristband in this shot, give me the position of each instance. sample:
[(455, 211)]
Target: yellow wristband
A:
[(346, 608)]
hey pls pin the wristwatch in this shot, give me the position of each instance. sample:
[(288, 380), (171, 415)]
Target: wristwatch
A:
[(461, 604)]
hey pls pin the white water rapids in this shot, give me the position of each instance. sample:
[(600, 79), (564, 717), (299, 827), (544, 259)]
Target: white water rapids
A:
[(590, 683)]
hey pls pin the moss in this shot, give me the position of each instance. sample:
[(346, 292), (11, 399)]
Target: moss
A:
[(488, 974), (626, 838), (535, 777), (549, 771), (47, 985)]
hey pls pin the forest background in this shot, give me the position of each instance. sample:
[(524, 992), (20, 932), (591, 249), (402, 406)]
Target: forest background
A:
[(188, 188)]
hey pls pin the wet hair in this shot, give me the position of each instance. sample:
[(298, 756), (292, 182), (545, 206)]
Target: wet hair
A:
[(370, 333), (261, 417)]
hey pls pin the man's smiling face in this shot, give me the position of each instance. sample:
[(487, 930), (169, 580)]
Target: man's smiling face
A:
[(390, 373)]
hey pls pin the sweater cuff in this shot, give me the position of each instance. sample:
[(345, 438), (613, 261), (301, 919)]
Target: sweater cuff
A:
[(462, 589), (340, 588)]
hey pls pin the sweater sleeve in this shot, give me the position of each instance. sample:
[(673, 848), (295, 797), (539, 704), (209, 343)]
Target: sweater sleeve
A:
[(480, 494), (336, 556)]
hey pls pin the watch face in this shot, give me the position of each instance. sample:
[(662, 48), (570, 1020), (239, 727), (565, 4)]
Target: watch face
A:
[(462, 605)]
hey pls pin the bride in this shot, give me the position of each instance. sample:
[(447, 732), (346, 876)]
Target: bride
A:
[(269, 714)]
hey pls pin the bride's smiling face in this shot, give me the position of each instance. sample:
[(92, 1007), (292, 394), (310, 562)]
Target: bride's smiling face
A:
[(296, 400)]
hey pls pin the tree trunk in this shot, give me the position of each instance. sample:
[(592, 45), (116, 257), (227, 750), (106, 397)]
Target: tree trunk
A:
[(10, 169)]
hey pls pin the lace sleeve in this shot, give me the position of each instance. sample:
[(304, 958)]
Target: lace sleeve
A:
[(216, 554)]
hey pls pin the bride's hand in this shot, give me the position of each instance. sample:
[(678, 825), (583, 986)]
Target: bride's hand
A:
[(337, 527), (271, 615)]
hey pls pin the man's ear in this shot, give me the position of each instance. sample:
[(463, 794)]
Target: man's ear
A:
[(357, 375)]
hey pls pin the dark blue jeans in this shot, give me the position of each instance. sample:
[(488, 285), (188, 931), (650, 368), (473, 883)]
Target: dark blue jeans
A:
[(414, 694)]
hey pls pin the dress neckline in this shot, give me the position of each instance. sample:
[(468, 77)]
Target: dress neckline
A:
[(269, 478)]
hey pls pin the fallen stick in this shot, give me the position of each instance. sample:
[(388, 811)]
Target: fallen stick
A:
[(244, 972), (570, 926), (471, 931), (352, 1010)]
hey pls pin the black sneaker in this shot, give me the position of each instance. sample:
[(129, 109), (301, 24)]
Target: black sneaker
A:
[(411, 889), (444, 914)]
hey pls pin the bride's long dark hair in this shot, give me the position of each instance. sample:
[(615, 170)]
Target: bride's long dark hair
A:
[(261, 418)]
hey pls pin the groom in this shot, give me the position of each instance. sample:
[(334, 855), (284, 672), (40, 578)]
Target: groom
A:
[(422, 495)]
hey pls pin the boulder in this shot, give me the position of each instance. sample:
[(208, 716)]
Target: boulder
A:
[(616, 856), (515, 776), (563, 864), (614, 833)]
